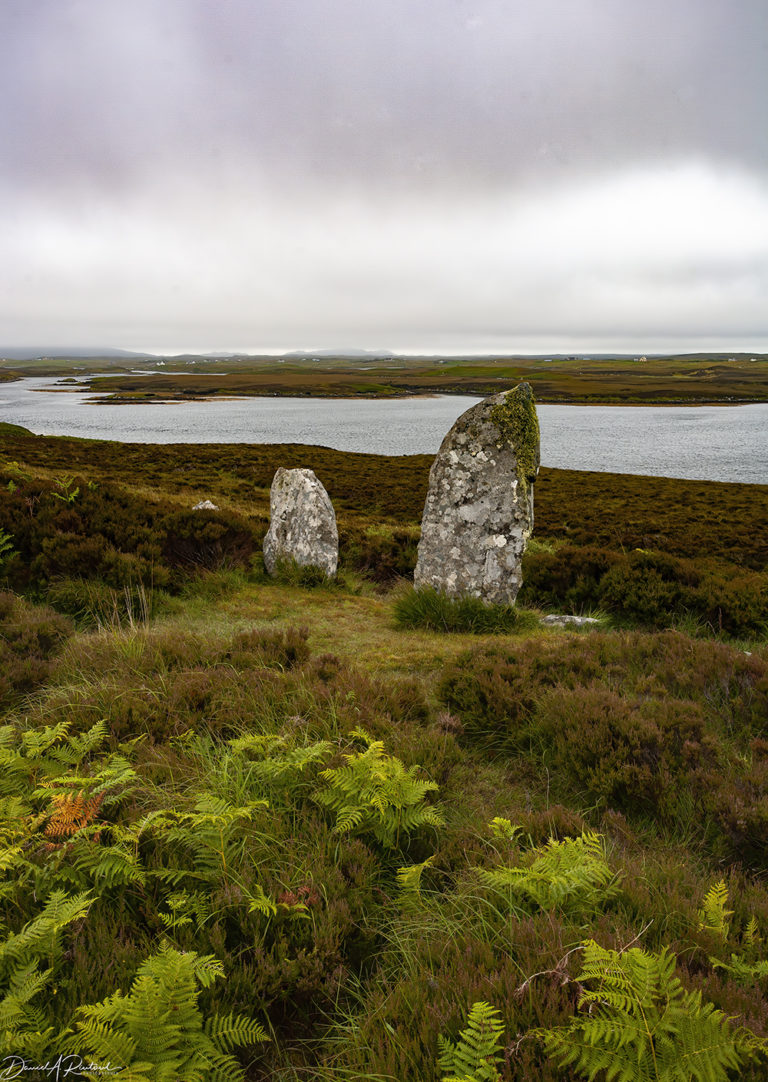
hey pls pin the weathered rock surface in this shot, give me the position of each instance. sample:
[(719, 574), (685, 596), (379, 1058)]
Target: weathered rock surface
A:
[(556, 619), (479, 510), (205, 505), (302, 523)]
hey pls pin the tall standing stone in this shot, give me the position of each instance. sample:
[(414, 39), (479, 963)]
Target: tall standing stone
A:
[(479, 510), (302, 524)]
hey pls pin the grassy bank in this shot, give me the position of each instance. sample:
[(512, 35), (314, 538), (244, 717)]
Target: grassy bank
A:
[(258, 829), (687, 379)]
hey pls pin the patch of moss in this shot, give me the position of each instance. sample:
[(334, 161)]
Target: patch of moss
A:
[(515, 417), (17, 430)]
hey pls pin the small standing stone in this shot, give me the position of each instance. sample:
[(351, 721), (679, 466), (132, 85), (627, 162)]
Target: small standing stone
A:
[(478, 514), (302, 523)]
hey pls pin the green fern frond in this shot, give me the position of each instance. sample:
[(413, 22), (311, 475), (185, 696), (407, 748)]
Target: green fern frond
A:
[(742, 971), (751, 933), (374, 793), (365, 738), (259, 902), (41, 935), (34, 742), (476, 1053), (409, 880), (715, 918), (713, 915), (158, 1031), (643, 1026), (571, 875), (23, 1027), (204, 845), (503, 831), (80, 746), (278, 762), (232, 1031), (186, 908)]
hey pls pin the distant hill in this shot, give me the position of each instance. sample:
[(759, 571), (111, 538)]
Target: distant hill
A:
[(31, 353), (352, 354)]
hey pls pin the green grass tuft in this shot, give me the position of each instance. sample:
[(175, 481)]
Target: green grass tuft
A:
[(433, 611)]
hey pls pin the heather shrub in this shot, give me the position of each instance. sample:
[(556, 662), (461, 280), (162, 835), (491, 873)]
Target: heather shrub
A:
[(102, 532), (735, 602), (492, 690), (653, 726), (382, 553), (629, 753), (555, 821), (622, 512), (737, 800), (160, 684), (30, 638), (568, 577), (434, 965), (648, 588), (207, 539)]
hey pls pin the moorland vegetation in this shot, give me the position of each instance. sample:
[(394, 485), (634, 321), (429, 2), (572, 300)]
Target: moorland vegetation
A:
[(257, 828), (687, 378)]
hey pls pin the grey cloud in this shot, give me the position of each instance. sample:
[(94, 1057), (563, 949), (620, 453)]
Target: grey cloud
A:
[(405, 93), (282, 173)]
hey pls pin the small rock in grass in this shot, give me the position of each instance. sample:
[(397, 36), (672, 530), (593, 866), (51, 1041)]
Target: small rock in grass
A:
[(556, 619)]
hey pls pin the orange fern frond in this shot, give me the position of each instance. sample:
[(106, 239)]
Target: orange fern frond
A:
[(71, 812)]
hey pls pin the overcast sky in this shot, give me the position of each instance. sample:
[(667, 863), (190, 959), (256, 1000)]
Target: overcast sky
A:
[(419, 175)]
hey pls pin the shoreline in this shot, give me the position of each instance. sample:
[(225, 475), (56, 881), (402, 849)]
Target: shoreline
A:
[(181, 399)]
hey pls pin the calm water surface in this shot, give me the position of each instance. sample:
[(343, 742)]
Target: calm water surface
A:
[(717, 443)]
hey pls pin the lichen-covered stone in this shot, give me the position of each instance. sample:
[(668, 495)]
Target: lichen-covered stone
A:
[(479, 510), (302, 524), (556, 619)]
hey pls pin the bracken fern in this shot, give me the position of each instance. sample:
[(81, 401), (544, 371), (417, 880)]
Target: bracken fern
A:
[(157, 1031), (641, 1025), (570, 875), (375, 794), (23, 1029), (744, 966), (473, 1057)]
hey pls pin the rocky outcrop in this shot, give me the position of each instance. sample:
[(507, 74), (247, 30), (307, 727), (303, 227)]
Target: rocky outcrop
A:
[(479, 510), (302, 524)]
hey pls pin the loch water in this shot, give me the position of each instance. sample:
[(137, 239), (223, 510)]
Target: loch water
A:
[(715, 443)]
